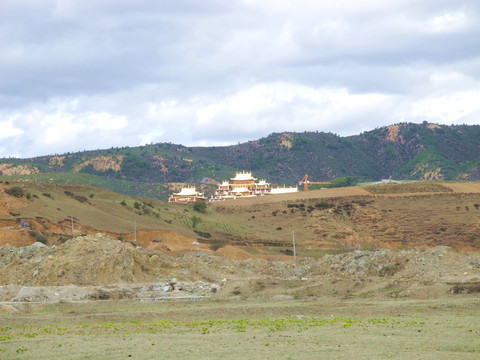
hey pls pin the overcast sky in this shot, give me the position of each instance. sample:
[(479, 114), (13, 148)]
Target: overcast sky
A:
[(92, 74)]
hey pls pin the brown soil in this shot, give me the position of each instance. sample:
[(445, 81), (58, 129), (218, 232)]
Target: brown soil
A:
[(102, 163), (168, 241), (11, 169)]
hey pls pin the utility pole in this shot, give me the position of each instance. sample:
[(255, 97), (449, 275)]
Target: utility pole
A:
[(294, 251)]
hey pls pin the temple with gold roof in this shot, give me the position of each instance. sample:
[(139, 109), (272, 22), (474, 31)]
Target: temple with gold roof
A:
[(241, 186)]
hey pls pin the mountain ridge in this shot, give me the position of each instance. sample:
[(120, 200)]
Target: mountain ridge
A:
[(404, 151)]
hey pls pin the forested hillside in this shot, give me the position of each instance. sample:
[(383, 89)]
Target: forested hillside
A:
[(402, 151)]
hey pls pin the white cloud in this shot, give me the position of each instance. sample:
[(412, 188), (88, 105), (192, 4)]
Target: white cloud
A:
[(261, 109), (80, 75), (7, 130), (452, 108), (448, 22)]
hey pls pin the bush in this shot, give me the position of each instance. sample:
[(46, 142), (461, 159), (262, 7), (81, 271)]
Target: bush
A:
[(205, 235), (80, 198), (200, 206), (195, 220), (216, 244), (323, 205), (38, 237), (15, 191)]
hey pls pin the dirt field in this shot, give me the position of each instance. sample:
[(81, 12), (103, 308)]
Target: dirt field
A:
[(279, 328)]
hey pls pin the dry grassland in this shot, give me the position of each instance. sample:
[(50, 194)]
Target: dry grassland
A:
[(326, 328)]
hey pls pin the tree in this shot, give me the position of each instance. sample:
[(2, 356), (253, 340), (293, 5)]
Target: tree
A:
[(195, 220), (200, 206)]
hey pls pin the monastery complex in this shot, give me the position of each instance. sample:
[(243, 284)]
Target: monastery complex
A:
[(241, 186)]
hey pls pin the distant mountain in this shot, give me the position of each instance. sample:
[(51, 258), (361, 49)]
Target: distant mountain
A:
[(402, 151)]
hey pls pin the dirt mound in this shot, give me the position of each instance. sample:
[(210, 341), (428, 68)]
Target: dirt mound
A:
[(233, 252), (102, 261), (88, 260), (166, 241)]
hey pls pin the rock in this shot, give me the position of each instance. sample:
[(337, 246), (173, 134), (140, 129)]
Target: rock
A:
[(214, 288), (38, 245), (167, 288)]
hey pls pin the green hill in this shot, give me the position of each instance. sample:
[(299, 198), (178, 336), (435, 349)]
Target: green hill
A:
[(402, 151)]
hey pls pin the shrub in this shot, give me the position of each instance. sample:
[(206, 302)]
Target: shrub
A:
[(149, 204), (216, 244), (205, 235), (80, 198), (200, 206), (323, 205), (38, 237), (48, 195), (195, 220), (15, 191)]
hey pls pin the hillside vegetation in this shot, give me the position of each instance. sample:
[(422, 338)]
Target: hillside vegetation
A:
[(394, 216), (403, 151)]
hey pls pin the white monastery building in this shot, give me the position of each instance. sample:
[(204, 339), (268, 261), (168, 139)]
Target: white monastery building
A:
[(187, 196), (245, 185)]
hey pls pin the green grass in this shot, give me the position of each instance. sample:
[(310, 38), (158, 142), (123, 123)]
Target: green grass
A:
[(288, 329)]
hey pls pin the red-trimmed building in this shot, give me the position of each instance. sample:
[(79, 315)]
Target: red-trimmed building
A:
[(242, 185), (186, 196)]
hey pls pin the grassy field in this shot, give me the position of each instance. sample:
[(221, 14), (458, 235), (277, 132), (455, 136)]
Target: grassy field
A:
[(326, 328)]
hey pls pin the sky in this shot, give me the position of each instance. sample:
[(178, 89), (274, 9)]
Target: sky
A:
[(94, 74)]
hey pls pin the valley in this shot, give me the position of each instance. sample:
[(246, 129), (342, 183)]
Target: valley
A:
[(84, 268)]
